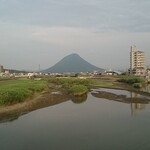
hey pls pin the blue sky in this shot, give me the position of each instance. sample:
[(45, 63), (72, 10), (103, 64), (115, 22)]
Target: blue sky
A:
[(44, 31)]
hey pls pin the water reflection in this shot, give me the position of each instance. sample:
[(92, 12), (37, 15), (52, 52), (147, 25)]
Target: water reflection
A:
[(96, 124), (79, 99), (146, 88), (136, 107), (46, 100), (136, 100), (121, 98)]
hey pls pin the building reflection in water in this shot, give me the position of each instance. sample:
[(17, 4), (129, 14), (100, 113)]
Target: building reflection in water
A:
[(136, 106), (137, 101), (146, 88)]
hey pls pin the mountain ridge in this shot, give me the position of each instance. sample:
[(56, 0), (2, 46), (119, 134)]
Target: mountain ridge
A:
[(72, 63)]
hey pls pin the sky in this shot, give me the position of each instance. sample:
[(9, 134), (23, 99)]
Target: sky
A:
[(42, 32)]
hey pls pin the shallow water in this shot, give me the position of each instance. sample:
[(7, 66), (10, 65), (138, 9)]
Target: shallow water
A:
[(88, 124), (146, 88)]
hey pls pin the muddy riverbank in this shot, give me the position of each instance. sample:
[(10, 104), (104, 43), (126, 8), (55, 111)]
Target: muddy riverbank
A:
[(55, 95), (40, 100)]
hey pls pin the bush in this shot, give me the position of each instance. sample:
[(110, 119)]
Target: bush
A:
[(137, 85), (70, 81), (67, 83), (131, 80), (12, 91), (13, 95), (78, 90), (136, 82)]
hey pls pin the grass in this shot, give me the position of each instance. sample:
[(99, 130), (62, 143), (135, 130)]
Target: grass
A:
[(131, 79), (74, 86), (13, 91), (70, 81), (103, 84), (78, 90), (3, 79), (136, 82)]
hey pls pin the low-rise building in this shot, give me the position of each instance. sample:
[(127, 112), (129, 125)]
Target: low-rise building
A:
[(148, 75), (1, 68), (7, 72), (111, 73)]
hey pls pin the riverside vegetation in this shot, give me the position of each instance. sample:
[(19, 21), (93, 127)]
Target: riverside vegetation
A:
[(14, 91), (136, 82), (74, 86)]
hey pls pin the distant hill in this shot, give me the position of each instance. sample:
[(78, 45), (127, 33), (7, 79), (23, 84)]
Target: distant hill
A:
[(72, 63), (16, 71)]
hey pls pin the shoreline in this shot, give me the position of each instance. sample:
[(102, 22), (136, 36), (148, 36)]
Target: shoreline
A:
[(46, 99), (38, 101)]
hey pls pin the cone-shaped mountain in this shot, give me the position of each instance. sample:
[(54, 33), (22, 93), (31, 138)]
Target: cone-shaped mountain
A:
[(72, 63)]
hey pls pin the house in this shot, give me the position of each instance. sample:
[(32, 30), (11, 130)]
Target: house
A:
[(111, 73)]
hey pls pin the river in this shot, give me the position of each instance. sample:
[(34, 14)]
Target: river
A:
[(104, 120)]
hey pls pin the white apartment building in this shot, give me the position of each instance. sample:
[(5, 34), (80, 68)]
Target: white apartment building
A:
[(137, 62)]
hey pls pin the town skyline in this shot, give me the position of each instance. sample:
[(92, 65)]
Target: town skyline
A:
[(45, 31), (137, 60)]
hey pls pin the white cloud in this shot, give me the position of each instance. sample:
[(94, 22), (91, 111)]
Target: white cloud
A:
[(98, 30), (105, 15), (61, 35)]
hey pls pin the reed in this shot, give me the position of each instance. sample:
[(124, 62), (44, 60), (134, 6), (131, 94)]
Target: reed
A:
[(13, 91)]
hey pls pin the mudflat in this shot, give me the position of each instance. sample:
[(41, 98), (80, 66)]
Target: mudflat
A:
[(39, 100)]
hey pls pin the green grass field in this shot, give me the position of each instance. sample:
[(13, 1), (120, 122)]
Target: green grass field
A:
[(70, 81), (13, 91)]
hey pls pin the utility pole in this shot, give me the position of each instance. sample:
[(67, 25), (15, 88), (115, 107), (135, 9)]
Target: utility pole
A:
[(39, 68)]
